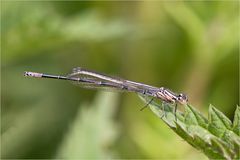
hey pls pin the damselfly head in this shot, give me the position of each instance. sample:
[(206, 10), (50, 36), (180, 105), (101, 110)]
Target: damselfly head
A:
[(182, 98)]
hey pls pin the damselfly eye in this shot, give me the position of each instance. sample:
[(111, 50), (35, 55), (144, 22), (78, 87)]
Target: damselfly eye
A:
[(182, 98)]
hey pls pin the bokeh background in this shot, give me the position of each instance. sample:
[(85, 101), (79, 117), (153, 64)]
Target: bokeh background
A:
[(189, 47)]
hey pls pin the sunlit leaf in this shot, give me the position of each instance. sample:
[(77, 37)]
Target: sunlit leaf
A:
[(214, 137)]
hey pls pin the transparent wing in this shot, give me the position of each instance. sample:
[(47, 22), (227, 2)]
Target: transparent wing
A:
[(92, 83), (90, 79)]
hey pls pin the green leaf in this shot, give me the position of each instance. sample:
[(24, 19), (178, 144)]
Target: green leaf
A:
[(182, 131), (192, 116), (218, 122), (235, 140), (216, 137), (236, 121), (220, 148), (93, 131), (208, 149)]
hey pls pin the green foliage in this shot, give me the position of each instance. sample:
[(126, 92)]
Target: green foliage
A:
[(217, 137), (90, 135), (161, 43), (93, 131)]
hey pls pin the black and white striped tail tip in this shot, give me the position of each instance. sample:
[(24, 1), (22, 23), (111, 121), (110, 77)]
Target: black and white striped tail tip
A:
[(32, 74), (25, 73)]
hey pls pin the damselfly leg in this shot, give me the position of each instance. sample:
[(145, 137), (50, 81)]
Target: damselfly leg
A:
[(145, 106), (175, 111)]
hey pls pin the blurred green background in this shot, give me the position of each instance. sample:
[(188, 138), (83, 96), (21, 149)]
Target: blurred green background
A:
[(189, 47)]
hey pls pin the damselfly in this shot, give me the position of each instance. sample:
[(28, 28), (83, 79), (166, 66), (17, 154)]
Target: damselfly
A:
[(89, 79)]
